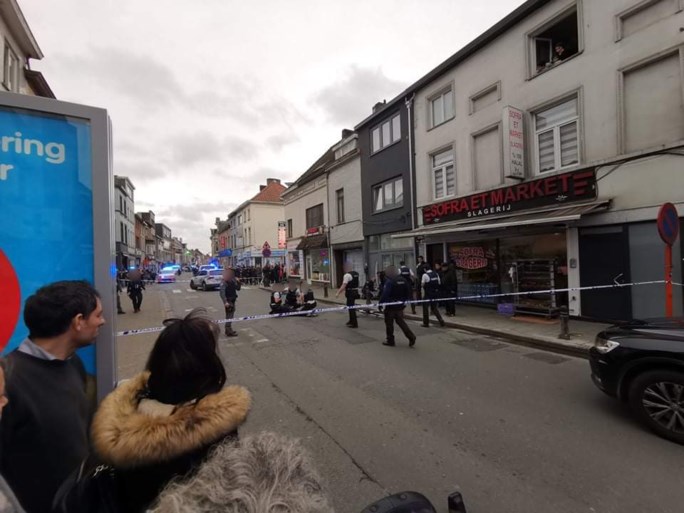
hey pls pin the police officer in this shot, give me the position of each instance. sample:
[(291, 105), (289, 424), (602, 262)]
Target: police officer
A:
[(350, 287), (421, 269), (397, 288), (431, 285), (135, 288), (228, 291)]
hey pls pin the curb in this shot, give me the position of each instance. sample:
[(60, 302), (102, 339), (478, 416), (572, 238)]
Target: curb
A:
[(556, 346)]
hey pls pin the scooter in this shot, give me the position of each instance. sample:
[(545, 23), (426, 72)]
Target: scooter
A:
[(414, 502)]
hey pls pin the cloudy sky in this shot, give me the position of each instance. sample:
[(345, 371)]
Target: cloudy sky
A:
[(209, 98)]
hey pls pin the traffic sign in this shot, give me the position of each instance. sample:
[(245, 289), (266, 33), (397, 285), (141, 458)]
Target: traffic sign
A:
[(266, 250), (668, 223)]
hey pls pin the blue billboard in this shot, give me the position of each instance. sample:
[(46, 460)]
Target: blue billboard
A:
[(46, 200)]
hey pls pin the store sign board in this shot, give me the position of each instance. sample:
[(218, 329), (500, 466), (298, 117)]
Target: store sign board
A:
[(316, 230), (56, 189), (553, 190), (514, 143)]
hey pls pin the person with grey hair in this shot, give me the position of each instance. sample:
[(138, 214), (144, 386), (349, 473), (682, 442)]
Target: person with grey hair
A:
[(262, 472)]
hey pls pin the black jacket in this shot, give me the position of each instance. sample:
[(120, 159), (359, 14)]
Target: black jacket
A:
[(150, 443)]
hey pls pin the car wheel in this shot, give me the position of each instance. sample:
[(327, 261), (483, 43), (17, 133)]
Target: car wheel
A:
[(204, 286), (192, 285), (657, 398)]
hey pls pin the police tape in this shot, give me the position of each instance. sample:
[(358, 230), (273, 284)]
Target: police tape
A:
[(376, 306)]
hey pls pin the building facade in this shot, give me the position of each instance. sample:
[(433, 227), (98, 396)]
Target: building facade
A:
[(124, 219), (544, 149), (17, 47), (387, 179), (306, 216), (255, 227), (164, 238), (345, 208)]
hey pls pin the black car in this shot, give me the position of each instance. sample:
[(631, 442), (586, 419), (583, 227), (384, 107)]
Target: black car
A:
[(642, 363)]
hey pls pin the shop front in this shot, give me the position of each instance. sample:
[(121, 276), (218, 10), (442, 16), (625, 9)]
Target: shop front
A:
[(389, 249), (314, 254), (513, 240)]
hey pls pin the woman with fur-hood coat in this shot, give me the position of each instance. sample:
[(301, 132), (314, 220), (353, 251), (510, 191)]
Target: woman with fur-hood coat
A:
[(163, 423)]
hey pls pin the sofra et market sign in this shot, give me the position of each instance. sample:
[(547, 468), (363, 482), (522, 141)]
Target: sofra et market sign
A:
[(553, 190)]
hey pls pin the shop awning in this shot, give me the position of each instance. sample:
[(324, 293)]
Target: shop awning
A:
[(314, 242), (546, 216)]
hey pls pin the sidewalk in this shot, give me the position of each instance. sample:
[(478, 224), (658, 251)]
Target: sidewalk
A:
[(527, 330)]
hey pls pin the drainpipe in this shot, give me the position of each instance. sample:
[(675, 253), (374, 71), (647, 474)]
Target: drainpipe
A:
[(409, 104)]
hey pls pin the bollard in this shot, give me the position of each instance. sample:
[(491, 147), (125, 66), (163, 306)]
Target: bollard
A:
[(564, 321), (325, 289)]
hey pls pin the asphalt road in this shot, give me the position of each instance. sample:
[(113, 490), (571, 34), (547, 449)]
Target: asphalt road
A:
[(516, 430)]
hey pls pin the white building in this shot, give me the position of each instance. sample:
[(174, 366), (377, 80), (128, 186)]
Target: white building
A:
[(539, 168), (17, 47), (344, 206), (124, 220), (254, 227)]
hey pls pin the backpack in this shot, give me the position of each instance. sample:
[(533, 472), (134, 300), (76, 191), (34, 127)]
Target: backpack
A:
[(92, 487)]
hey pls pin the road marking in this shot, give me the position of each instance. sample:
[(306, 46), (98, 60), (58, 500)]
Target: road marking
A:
[(261, 341), (211, 308), (177, 291), (188, 309), (189, 290)]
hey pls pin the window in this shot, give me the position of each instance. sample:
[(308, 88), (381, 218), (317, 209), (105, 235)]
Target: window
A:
[(388, 195), (486, 97), (443, 174), (442, 108), (289, 228), (555, 42), (339, 201), (557, 136), (386, 133), (122, 232), (249, 235), (239, 219), (11, 69), (314, 217)]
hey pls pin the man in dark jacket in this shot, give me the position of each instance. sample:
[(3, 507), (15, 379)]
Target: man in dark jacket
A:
[(421, 269), (229, 289), (44, 435), (397, 288), (135, 287), (449, 283)]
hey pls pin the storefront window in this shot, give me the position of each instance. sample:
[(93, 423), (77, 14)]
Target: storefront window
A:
[(320, 265), (476, 269)]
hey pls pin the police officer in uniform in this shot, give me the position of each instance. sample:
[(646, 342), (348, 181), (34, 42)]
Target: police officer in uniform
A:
[(397, 288), (229, 294), (135, 288), (406, 273), (421, 269), (350, 287), (432, 285)]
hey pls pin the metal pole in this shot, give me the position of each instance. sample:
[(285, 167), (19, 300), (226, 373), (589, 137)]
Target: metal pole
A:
[(325, 289), (564, 321), (668, 280)]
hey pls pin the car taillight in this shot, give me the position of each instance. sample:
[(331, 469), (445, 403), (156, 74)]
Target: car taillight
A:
[(604, 345)]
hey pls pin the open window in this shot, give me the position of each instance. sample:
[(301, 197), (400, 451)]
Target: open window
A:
[(555, 42)]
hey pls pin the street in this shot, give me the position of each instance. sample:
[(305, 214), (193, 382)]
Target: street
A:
[(515, 429)]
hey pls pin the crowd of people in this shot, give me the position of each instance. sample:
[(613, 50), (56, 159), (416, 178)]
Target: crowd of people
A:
[(166, 440)]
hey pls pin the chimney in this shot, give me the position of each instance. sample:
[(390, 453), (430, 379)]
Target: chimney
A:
[(218, 220), (269, 181), (261, 188), (379, 106), (346, 133)]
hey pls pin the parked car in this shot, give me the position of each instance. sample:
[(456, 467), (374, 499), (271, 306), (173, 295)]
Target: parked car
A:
[(207, 267), (167, 275), (642, 363), (207, 279)]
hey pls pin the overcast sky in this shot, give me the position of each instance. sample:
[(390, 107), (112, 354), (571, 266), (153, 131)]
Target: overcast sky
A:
[(209, 98)]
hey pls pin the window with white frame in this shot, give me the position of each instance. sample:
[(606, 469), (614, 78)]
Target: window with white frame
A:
[(388, 195), (386, 133), (557, 136), (10, 69), (339, 200), (443, 174), (555, 42), (442, 107)]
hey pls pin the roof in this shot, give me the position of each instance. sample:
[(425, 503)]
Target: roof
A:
[(471, 48), (317, 169), (12, 15), (270, 194), (38, 83)]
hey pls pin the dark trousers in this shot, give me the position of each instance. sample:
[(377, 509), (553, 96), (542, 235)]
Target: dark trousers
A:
[(136, 298), (417, 296), (451, 304), (431, 307), (351, 301), (393, 315), (230, 313)]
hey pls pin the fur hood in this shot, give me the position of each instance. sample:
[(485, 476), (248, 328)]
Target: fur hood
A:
[(260, 473), (125, 435)]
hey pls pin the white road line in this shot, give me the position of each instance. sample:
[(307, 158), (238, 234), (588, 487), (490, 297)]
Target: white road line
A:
[(188, 309), (211, 309), (189, 290), (177, 291), (261, 341)]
